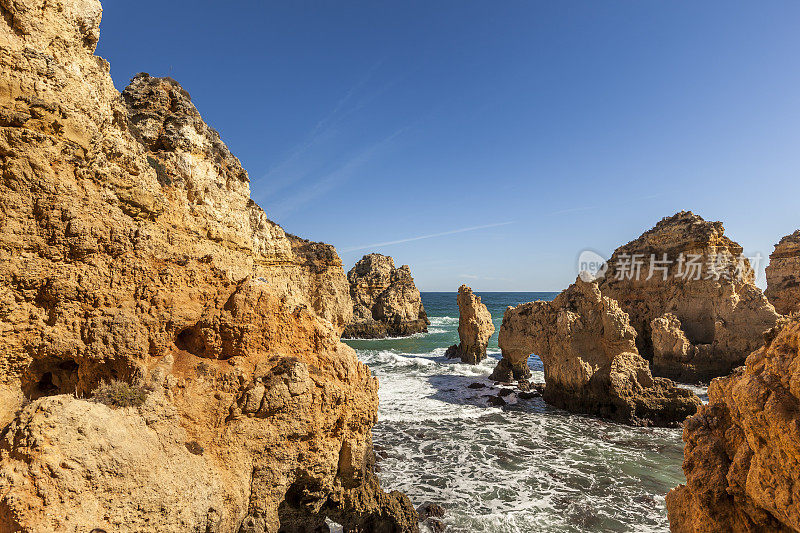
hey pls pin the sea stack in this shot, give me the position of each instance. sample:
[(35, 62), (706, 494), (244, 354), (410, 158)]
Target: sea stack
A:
[(169, 358), (691, 296), (742, 454), (783, 275), (386, 303), (591, 364), (474, 328)]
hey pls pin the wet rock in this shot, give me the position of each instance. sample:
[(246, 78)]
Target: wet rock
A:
[(513, 366), (430, 510), (495, 401), (386, 303), (476, 385), (435, 525)]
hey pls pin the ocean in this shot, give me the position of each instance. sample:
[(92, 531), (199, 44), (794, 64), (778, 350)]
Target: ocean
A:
[(526, 467)]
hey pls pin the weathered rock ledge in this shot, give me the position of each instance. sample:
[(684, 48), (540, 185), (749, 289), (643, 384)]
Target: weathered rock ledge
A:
[(591, 363), (742, 454), (783, 275), (690, 295), (131, 253), (386, 303), (474, 328)]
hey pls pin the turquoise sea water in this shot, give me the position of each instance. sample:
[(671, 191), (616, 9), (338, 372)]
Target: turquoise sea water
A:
[(527, 467)]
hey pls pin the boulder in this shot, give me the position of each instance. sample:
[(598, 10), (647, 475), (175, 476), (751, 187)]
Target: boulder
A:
[(687, 268), (131, 254), (591, 363), (742, 454), (783, 275), (474, 328), (386, 303)]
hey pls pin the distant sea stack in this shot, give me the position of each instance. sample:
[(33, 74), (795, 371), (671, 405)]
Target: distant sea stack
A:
[(783, 275), (474, 328), (386, 303), (691, 296), (591, 364), (742, 454)]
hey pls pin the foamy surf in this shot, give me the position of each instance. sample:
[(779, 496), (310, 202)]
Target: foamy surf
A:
[(524, 467)]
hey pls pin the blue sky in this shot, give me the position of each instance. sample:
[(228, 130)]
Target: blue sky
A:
[(512, 135)]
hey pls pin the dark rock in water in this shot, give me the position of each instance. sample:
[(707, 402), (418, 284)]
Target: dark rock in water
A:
[(495, 401), (507, 372), (430, 509), (505, 392), (529, 395), (524, 385), (452, 352), (437, 526), (476, 385)]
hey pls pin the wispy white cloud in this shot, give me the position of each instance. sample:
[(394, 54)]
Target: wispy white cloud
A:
[(428, 236), (299, 162), (332, 179), (485, 278)]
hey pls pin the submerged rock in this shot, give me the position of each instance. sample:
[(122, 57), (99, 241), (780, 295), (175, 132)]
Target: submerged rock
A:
[(685, 275), (386, 303), (474, 328), (742, 455), (130, 251), (783, 275), (591, 364)]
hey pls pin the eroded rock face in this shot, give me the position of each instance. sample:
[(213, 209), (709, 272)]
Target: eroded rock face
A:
[(742, 455), (386, 303), (711, 293), (783, 275), (474, 328), (591, 363), (130, 250)]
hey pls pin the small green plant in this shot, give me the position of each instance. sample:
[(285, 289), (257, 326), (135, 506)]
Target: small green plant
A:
[(118, 394)]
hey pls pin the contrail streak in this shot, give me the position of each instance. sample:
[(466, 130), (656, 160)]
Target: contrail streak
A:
[(429, 236)]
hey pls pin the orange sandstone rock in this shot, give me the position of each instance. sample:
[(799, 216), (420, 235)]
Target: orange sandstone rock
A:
[(130, 250), (742, 455)]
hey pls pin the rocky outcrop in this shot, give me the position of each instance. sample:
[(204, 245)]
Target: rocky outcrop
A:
[(783, 275), (474, 328), (689, 281), (591, 364), (130, 250), (742, 455), (386, 303)]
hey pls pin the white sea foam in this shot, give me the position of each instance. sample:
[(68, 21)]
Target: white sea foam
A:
[(526, 467), (443, 320)]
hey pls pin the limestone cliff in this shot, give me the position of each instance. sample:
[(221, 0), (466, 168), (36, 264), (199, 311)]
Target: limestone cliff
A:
[(386, 303), (591, 364), (474, 328), (690, 296), (742, 455), (783, 275), (130, 250)]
